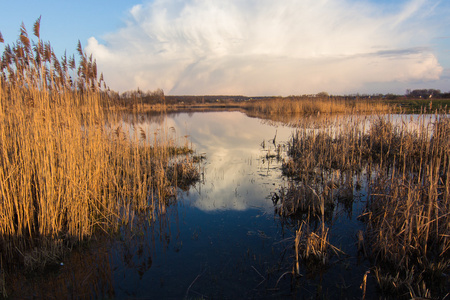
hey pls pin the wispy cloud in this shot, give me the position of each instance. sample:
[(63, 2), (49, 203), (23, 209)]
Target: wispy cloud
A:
[(265, 47)]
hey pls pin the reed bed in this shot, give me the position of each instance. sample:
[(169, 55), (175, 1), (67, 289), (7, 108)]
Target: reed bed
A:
[(66, 171), (316, 105), (407, 171), (408, 214)]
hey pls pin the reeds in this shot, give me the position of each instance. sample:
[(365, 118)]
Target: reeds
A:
[(295, 105), (65, 171), (407, 168), (409, 212), (312, 247)]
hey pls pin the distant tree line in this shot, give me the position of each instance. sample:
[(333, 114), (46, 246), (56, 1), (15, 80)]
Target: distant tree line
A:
[(426, 93), (140, 97)]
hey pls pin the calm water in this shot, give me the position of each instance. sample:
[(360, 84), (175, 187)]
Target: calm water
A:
[(222, 238)]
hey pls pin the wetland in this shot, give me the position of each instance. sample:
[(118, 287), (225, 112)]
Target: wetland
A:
[(297, 197), (277, 211)]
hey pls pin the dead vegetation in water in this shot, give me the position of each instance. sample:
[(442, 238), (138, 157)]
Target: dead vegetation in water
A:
[(407, 169), (307, 205), (408, 215), (66, 173), (312, 247), (184, 173), (301, 201)]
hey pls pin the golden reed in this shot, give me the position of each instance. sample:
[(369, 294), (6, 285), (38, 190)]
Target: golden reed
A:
[(65, 171), (406, 166)]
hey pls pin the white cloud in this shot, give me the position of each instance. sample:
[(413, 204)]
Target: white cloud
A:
[(265, 47)]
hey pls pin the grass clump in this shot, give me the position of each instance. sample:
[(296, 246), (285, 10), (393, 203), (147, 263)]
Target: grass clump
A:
[(312, 247)]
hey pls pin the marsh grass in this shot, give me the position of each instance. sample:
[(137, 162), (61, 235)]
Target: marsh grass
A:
[(409, 212), (315, 105), (66, 172), (407, 168)]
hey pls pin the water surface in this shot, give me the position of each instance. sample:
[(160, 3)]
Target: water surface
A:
[(222, 239)]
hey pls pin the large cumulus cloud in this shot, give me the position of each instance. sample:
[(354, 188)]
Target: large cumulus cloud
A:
[(265, 47)]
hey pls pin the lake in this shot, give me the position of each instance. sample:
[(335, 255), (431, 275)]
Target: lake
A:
[(223, 238)]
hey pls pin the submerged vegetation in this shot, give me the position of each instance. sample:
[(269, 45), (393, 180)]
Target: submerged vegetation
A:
[(407, 217), (68, 170)]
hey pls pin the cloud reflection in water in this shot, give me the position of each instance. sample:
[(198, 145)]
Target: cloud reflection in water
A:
[(237, 174)]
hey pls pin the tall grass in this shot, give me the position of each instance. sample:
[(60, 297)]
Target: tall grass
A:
[(65, 171), (407, 170), (315, 105), (409, 211)]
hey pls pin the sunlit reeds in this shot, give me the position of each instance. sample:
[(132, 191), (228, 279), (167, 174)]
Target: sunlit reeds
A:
[(65, 171), (407, 170), (316, 105), (409, 209)]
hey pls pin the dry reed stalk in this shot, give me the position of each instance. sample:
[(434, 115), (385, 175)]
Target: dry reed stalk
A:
[(364, 285), (304, 200), (313, 248)]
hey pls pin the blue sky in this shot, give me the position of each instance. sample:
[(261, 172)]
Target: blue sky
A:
[(250, 47)]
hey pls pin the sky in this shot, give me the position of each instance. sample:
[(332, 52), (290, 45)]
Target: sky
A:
[(249, 47)]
